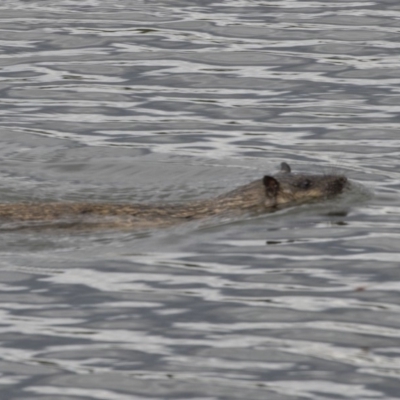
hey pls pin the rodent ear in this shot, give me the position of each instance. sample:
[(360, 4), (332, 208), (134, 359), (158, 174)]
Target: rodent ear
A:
[(271, 185), (285, 167)]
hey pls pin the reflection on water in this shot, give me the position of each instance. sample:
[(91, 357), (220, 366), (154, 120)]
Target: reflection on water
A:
[(126, 101)]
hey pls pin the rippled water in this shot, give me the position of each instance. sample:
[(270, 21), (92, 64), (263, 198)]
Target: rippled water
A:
[(170, 101)]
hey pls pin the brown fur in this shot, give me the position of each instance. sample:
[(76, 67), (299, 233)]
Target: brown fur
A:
[(283, 189)]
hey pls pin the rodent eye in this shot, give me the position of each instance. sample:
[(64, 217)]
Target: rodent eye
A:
[(305, 184)]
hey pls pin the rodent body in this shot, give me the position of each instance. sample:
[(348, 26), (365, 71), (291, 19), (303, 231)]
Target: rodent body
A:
[(266, 194)]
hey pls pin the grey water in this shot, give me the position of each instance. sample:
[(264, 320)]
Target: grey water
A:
[(152, 101)]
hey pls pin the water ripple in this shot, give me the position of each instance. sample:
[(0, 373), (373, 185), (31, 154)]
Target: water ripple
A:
[(170, 101)]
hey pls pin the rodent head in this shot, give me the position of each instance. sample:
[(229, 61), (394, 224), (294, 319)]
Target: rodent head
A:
[(286, 187)]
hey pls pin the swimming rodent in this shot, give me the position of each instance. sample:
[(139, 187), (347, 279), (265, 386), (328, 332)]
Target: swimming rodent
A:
[(263, 195)]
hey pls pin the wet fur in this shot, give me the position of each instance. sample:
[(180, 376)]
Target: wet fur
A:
[(266, 194)]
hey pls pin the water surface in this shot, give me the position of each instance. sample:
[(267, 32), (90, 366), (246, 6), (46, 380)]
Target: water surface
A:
[(168, 101)]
